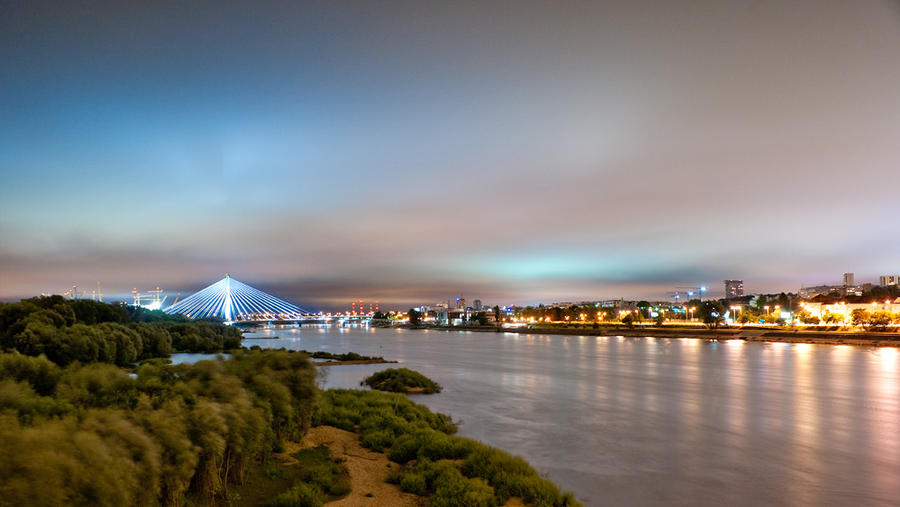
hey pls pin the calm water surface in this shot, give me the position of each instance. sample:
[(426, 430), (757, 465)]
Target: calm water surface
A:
[(643, 421)]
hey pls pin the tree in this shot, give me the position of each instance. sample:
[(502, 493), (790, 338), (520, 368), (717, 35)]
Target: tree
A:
[(808, 318), (660, 319), (413, 317), (860, 317), (644, 307), (480, 318), (881, 320), (629, 319), (784, 301), (497, 314), (832, 318), (747, 317), (711, 312), (761, 302)]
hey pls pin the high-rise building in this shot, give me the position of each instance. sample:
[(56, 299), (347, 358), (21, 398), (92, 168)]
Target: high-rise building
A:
[(889, 280), (461, 303), (734, 288), (477, 305), (848, 280)]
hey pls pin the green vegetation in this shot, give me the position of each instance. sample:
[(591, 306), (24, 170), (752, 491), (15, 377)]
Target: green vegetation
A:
[(349, 356), (402, 380), (323, 472), (76, 429), (414, 317), (711, 312), (87, 331), (301, 495), (873, 320), (423, 443), (379, 418), (92, 435), (320, 479)]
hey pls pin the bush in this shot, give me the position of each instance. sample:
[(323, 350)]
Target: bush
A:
[(414, 483), (402, 380), (301, 495), (320, 470), (454, 490)]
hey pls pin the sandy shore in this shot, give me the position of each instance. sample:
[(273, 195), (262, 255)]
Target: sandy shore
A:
[(368, 470)]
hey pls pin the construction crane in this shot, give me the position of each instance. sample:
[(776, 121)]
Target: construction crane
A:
[(689, 292)]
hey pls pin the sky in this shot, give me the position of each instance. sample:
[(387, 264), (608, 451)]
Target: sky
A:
[(413, 152)]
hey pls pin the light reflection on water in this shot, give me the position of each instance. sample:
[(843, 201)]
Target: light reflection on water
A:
[(640, 421)]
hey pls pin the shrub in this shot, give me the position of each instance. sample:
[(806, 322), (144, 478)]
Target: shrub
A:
[(300, 495), (402, 380), (414, 483), (320, 470), (454, 490)]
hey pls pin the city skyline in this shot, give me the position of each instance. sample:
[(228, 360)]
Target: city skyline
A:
[(412, 152)]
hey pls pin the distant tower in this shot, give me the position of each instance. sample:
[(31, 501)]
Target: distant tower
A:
[(734, 288), (889, 280), (848, 280), (477, 305)]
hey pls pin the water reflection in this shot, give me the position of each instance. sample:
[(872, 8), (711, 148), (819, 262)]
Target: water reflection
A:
[(637, 421)]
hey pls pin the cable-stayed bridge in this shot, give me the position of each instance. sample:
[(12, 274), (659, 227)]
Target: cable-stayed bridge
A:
[(235, 301)]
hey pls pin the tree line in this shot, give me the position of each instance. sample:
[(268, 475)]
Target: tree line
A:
[(88, 331)]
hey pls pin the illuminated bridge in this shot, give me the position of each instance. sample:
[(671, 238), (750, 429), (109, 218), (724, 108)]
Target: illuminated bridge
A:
[(233, 301)]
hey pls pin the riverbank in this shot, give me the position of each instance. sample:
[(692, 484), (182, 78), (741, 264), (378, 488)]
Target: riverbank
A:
[(427, 459), (358, 361), (331, 359), (756, 334)]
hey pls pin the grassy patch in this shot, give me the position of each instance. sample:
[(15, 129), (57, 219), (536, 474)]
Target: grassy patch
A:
[(402, 380), (379, 418), (315, 478), (319, 469), (263, 481), (349, 356)]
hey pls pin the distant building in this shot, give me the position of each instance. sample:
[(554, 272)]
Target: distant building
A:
[(734, 288), (478, 306), (834, 290), (849, 280), (460, 303), (889, 280)]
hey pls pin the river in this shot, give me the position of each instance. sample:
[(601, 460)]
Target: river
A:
[(644, 421)]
